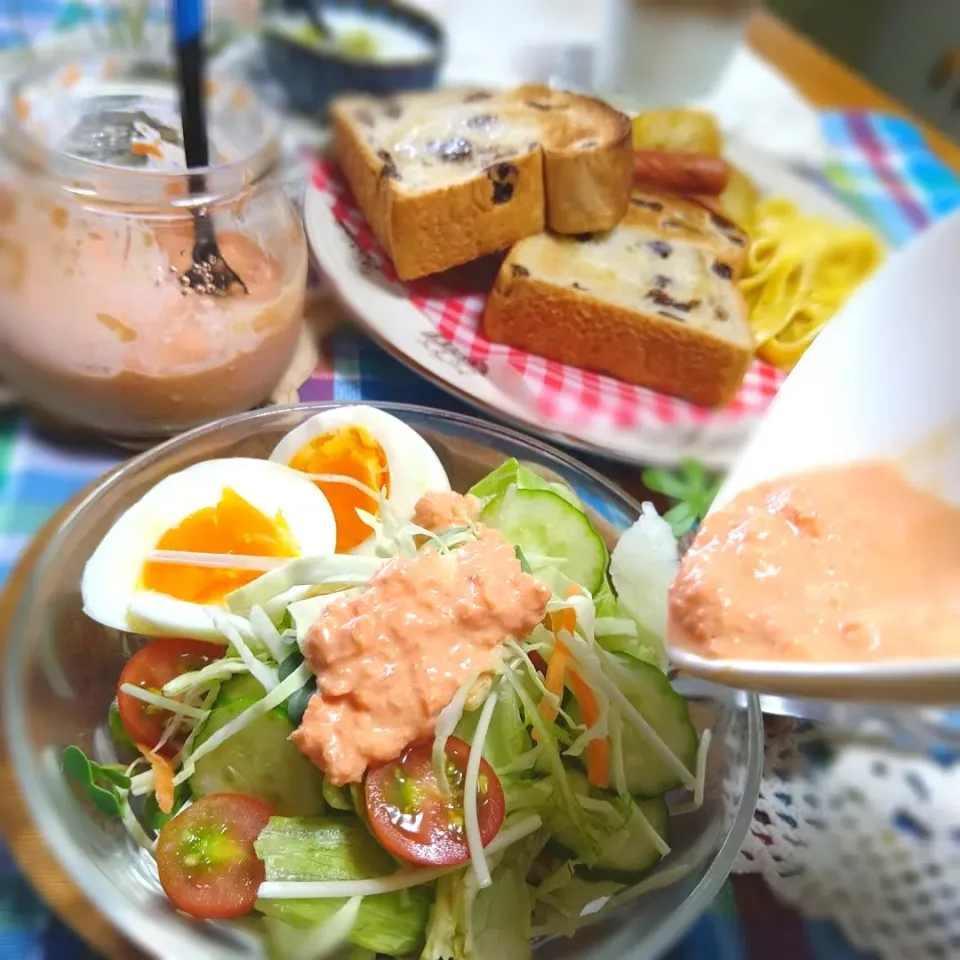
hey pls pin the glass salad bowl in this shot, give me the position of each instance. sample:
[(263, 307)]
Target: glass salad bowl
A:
[(62, 671)]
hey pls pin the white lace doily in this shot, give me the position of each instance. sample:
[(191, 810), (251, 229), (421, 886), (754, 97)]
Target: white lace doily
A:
[(862, 834)]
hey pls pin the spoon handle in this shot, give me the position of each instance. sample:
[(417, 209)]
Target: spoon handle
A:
[(188, 44)]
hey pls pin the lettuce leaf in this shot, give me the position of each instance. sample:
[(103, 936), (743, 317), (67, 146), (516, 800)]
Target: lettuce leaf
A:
[(389, 923), (507, 737), (341, 848), (489, 924), (645, 645), (559, 911), (511, 471), (323, 941)]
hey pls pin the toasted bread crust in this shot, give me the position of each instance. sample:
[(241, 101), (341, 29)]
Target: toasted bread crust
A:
[(361, 174), (575, 179), (604, 175), (572, 327)]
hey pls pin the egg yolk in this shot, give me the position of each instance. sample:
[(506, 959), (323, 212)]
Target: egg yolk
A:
[(348, 451), (232, 526)]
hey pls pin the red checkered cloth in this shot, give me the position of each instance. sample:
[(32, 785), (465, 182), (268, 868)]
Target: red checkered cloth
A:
[(563, 395)]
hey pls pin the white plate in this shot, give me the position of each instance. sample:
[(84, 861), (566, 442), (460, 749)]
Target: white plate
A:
[(384, 313)]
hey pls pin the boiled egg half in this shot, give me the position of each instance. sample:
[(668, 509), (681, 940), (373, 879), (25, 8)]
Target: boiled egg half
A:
[(238, 506), (371, 448)]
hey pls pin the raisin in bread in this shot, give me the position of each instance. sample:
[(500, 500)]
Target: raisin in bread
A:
[(450, 176), (653, 302)]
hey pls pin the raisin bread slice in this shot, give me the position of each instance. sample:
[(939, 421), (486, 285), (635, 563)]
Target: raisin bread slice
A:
[(450, 176), (653, 302)]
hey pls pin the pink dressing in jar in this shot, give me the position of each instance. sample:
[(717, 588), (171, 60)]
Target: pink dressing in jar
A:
[(97, 326)]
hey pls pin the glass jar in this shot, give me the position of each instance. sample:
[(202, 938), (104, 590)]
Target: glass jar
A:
[(98, 326)]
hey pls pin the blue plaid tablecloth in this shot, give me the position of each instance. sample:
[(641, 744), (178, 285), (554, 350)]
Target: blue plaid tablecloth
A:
[(881, 167)]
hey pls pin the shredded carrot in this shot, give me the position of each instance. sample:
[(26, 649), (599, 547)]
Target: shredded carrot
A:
[(142, 149), (554, 681), (559, 658), (563, 620), (598, 751), (162, 778)]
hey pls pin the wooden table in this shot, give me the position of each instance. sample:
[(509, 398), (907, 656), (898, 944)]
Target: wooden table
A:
[(826, 82)]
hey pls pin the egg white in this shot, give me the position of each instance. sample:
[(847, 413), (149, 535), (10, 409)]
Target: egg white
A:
[(414, 467), (110, 583)]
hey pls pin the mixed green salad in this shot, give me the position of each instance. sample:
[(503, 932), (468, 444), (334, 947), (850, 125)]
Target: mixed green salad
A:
[(544, 790)]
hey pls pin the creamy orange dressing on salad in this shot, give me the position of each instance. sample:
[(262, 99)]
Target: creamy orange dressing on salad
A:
[(845, 564), (390, 659), (444, 509)]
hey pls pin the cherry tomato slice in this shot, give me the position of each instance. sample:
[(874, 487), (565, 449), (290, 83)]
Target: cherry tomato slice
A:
[(412, 817), (151, 667), (205, 856)]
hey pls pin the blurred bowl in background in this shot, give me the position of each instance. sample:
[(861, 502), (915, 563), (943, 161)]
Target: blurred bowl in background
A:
[(374, 47)]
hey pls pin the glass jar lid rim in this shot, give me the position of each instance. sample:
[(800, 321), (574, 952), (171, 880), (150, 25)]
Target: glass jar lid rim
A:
[(92, 176)]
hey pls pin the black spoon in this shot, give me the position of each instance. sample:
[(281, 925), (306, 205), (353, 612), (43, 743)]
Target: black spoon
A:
[(209, 273)]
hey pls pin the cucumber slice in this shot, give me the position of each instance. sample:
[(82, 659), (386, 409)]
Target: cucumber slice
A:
[(629, 849), (648, 689), (242, 686), (552, 533), (259, 761), (626, 849)]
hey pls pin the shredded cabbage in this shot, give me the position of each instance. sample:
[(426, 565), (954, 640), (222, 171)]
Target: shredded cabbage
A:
[(144, 782), (218, 670), (548, 746), (618, 769), (163, 703), (590, 664), (276, 606), (388, 529), (599, 731), (703, 750), (521, 764), (267, 633), (537, 679), (583, 606), (471, 814), (176, 721), (659, 844), (266, 675), (447, 722), (273, 699), (135, 828), (332, 569), (348, 481), (218, 561)]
